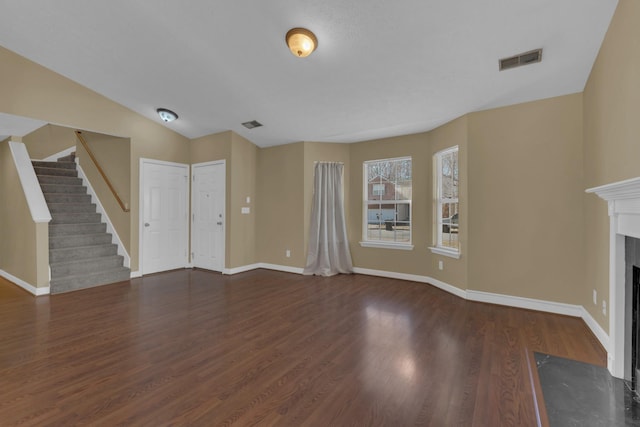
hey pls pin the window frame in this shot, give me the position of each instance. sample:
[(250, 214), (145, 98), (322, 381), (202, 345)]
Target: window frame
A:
[(440, 201), (365, 242)]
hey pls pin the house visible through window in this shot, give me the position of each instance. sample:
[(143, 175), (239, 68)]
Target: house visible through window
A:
[(447, 204), (387, 202)]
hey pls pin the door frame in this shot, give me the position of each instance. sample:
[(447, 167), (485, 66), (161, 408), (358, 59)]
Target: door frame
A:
[(143, 162), (222, 162)]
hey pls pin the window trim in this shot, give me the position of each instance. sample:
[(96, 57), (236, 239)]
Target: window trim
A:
[(445, 252), (365, 203), (386, 245), (438, 248)]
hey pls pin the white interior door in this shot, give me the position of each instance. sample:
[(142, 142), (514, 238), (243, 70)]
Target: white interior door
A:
[(208, 210), (165, 222)]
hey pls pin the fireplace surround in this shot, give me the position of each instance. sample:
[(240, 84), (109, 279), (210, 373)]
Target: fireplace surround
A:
[(635, 325), (623, 199)]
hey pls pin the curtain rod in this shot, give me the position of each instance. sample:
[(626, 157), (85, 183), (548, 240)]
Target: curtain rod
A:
[(325, 161)]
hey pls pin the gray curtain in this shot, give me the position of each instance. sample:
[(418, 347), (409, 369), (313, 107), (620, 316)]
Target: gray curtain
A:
[(328, 244)]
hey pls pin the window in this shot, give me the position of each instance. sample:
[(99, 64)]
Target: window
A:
[(447, 205), (387, 203), (378, 189)]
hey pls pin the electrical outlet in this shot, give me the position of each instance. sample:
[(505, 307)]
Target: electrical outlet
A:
[(440, 265), (595, 297), (288, 253), (604, 307)]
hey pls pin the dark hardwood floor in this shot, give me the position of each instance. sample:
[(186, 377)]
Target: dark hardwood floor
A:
[(192, 347)]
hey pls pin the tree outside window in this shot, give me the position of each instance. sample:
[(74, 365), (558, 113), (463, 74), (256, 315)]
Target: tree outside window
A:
[(447, 209)]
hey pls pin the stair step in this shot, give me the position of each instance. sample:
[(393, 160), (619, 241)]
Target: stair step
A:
[(56, 165), (75, 229), (41, 170), (84, 281), (71, 158), (67, 198), (59, 179), (59, 188), (75, 218), (81, 252), (84, 266), (75, 240), (72, 207)]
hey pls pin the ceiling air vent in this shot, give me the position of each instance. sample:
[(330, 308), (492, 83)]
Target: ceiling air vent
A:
[(252, 124), (521, 59)]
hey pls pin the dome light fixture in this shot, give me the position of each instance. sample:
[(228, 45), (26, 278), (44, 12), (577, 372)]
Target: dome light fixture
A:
[(166, 115), (301, 42)]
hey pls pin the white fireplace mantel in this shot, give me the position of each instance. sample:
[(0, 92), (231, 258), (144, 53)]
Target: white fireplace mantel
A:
[(624, 220)]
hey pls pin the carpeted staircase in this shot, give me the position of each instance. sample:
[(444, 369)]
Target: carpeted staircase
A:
[(81, 254)]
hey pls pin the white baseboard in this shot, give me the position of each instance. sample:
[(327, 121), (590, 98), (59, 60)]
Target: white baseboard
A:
[(24, 285), (414, 278), (546, 306), (501, 299), (527, 303), (135, 274), (283, 268), (597, 330), (63, 153), (100, 209), (240, 269), (470, 295)]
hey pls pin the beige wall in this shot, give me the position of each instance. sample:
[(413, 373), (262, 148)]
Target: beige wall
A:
[(24, 246), (32, 91), (527, 228), (244, 162), (49, 140), (211, 147), (611, 140), (525, 200), (280, 205), (449, 135), (114, 157), (285, 189), (322, 152), (419, 260), (113, 154)]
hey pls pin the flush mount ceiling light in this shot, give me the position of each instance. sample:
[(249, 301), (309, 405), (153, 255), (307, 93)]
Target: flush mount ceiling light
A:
[(166, 115), (301, 42)]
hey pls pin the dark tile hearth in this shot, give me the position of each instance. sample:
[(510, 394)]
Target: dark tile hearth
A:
[(580, 394)]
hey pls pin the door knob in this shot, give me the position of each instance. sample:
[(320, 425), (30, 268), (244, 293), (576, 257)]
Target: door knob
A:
[(219, 222), (146, 224)]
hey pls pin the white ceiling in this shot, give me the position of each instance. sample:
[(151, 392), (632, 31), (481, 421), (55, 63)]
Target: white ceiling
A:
[(17, 126), (382, 68)]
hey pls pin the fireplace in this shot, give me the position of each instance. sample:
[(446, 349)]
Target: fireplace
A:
[(624, 221), (635, 327)]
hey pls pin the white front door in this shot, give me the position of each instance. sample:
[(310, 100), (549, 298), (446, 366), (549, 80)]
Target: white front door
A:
[(208, 222), (164, 213)]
